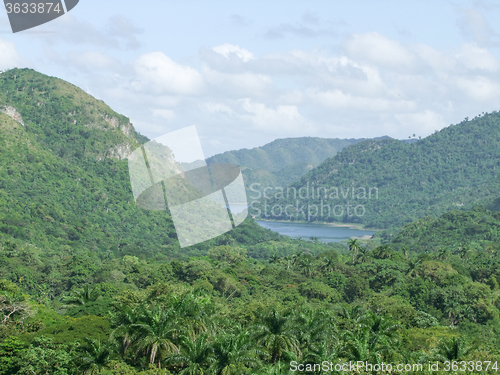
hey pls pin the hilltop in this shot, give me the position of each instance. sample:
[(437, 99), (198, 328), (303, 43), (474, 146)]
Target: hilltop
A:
[(283, 161)]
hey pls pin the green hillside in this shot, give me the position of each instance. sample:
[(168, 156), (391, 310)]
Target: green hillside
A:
[(64, 182), (282, 161), (394, 182), (459, 232)]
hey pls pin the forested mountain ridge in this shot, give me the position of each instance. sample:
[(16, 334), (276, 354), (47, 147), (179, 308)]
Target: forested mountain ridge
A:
[(281, 153), (282, 161), (64, 182), (457, 167), (64, 119)]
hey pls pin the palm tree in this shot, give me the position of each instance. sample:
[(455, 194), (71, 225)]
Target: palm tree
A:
[(234, 353), (196, 356), (96, 355), (296, 257), (382, 252), (82, 296), (363, 255), (453, 309), (412, 268), (451, 350), (374, 338), (306, 263), (328, 263), (443, 254), (313, 326), (274, 258), (357, 347), (276, 333), (382, 330), (156, 334), (354, 247), (124, 321)]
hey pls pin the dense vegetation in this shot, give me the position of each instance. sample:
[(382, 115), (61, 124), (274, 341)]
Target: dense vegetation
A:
[(455, 168), (282, 161), (224, 313), (89, 284)]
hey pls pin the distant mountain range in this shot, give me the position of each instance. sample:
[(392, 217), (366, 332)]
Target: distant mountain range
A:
[(283, 161)]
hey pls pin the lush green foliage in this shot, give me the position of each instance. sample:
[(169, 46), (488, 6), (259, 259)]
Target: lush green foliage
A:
[(228, 314)]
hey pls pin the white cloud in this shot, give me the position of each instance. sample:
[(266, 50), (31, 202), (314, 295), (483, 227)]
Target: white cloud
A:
[(217, 108), (241, 84), (359, 85), (339, 100), (377, 49), (474, 57), (479, 88), (227, 50), (8, 55), (92, 60), (475, 26), (158, 73), (426, 121), (164, 114), (284, 118)]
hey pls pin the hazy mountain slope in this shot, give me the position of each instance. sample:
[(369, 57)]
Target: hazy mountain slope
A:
[(282, 161), (281, 153), (457, 167), (65, 185)]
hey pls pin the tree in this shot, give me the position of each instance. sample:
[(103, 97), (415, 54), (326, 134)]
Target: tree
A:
[(412, 268), (276, 333), (306, 264), (156, 334), (451, 350), (195, 357), (96, 355), (354, 247), (234, 353), (82, 296)]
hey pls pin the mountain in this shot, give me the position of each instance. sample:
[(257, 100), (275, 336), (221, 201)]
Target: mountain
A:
[(64, 182), (282, 161), (388, 183)]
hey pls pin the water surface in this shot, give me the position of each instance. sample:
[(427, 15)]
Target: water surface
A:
[(324, 232)]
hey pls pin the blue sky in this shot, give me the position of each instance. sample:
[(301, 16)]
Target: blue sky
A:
[(246, 73)]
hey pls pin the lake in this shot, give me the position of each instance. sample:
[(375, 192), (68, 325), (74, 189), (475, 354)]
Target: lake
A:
[(324, 232)]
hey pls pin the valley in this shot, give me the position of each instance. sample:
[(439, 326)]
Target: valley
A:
[(91, 284)]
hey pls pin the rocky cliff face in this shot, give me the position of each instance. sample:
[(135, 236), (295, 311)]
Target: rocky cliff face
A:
[(12, 113), (65, 119)]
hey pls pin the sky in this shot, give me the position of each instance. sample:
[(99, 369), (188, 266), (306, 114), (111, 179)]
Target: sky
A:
[(248, 72)]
